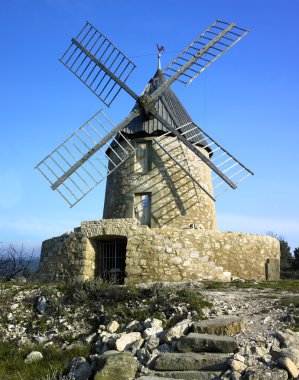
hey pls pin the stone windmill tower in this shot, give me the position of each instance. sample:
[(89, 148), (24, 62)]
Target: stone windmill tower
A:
[(149, 186), (163, 175)]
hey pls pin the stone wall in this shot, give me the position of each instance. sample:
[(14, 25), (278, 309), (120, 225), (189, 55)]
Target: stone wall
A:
[(176, 201), (166, 254)]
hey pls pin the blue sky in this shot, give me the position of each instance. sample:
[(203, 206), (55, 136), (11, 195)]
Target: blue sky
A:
[(247, 100)]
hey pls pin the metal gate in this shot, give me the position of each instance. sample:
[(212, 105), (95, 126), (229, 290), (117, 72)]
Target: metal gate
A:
[(111, 260)]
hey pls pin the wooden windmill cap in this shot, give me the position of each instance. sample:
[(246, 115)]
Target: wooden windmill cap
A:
[(168, 103)]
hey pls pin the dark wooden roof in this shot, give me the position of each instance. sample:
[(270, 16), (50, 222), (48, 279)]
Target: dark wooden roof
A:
[(167, 104)]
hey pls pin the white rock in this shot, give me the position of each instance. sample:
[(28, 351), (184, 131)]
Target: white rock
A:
[(177, 330), (152, 331), (152, 343), (236, 365), (259, 351), (90, 338), (291, 353), (126, 340), (112, 326), (132, 324), (239, 357), (290, 366), (153, 322), (33, 356)]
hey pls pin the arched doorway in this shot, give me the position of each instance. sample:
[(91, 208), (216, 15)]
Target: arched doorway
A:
[(110, 258)]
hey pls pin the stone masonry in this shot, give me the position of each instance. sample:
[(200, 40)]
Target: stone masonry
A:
[(176, 200), (166, 254)]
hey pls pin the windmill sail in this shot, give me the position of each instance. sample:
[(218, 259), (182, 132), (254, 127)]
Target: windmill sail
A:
[(204, 50), (99, 64), (225, 162), (72, 177), (76, 166)]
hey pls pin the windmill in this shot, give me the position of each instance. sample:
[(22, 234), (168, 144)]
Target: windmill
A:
[(99, 148)]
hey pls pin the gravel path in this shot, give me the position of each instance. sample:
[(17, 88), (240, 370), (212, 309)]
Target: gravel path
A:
[(262, 309)]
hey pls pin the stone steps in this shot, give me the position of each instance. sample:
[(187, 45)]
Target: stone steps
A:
[(204, 353), (189, 375), (195, 342), (192, 361), (220, 326)]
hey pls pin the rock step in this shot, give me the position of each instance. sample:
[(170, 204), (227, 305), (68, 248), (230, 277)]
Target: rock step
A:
[(220, 326), (192, 361), (188, 375), (195, 342)]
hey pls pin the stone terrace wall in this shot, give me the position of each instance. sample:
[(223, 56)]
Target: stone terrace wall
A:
[(244, 255), (166, 254)]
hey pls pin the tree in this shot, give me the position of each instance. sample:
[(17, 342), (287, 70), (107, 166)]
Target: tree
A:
[(296, 258), (13, 261), (286, 258)]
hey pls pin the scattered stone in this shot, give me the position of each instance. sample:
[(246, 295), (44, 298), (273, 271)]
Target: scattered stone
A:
[(275, 352), (136, 346), (289, 365), (152, 323), (152, 331), (152, 342), (41, 305), (235, 375), (207, 343), (135, 326), (73, 345), (163, 348), (126, 340), (259, 351), (177, 330), (291, 353), (220, 326), (236, 365), (39, 339), (143, 355), (33, 357), (80, 368), (90, 338), (112, 327), (261, 372), (239, 357), (116, 365), (288, 339)]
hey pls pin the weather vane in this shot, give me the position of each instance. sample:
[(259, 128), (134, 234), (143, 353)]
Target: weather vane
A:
[(160, 49)]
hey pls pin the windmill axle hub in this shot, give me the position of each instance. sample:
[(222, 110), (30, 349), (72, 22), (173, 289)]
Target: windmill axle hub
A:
[(147, 105)]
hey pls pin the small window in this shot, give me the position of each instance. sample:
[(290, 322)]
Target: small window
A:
[(142, 157), (142, 208)]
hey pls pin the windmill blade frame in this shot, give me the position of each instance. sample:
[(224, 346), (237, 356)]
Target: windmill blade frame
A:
[(198, 56), (75, 167), (104, 69), (99, 64)]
